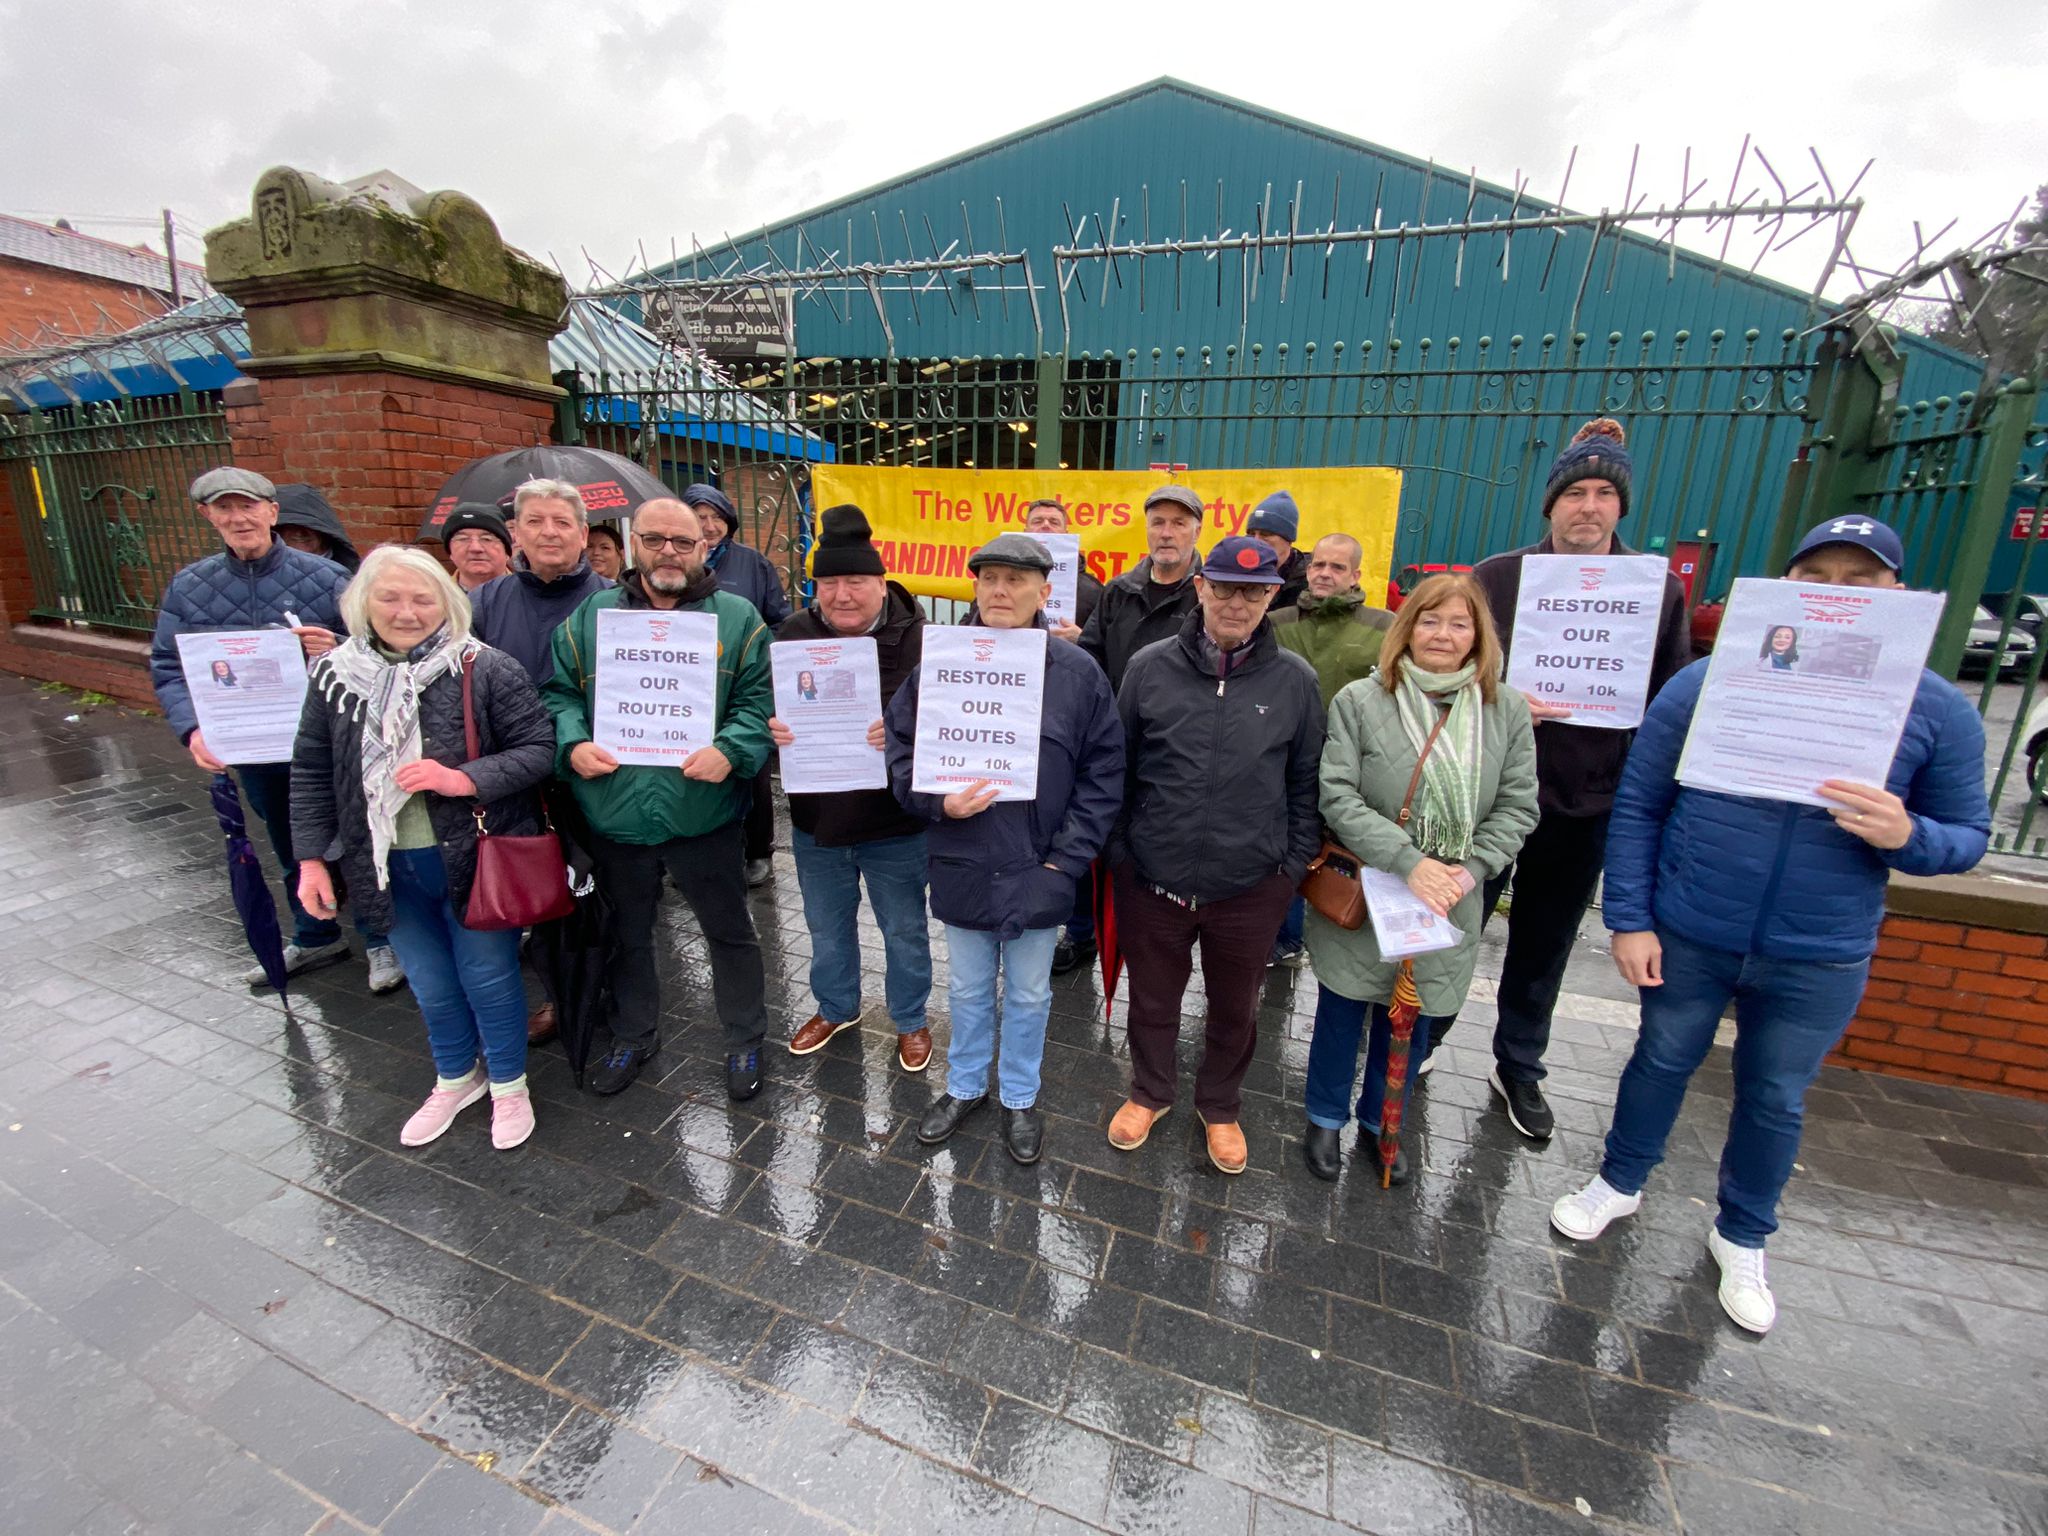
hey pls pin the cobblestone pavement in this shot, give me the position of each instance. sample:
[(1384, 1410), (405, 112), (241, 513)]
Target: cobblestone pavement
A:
[(229, 1303)]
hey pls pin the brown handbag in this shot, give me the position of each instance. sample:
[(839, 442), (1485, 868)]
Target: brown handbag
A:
[(519, 881), (1332, 885)]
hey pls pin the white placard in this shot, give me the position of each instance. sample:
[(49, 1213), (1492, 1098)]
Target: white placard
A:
[(657, 684), (248, 687), (1586, 634), (1807, 683), (828, 692), (1065, 549), (1402, 922), (981, 693)]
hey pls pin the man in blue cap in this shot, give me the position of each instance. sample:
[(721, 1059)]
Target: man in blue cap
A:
[(1774, 906), (1223, 735), (1276, 523)]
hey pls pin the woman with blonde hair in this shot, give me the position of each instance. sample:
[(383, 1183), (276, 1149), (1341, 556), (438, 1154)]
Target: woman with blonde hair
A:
[(383, 781), (1429, 773)]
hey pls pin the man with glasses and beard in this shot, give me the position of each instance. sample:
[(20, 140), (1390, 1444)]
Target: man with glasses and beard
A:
[(644, 819)]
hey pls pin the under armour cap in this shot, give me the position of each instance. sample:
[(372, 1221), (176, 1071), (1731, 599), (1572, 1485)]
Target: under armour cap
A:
[(1864, 532), (1242, 558), (229, 481)]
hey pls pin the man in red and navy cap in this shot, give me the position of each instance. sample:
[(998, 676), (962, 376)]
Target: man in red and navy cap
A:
[(1223, 738)]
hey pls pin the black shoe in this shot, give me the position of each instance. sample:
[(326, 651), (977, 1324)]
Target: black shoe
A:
[(1321, 1149), (1370, 1140), (1024, 1134), (1528, 1112), (616, 1072), (1071, 954), (944, 1117), (743, 1074)]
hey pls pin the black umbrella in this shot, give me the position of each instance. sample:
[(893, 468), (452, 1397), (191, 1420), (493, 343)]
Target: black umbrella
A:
[(571, 955), (251, 887), (612, 486)]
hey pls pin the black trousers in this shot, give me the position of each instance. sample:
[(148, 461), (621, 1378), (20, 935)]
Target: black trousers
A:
[(1555, 875), (760, 822), (711, 873)]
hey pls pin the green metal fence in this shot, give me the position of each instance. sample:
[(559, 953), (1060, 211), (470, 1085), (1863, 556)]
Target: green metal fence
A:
[(100, 490)]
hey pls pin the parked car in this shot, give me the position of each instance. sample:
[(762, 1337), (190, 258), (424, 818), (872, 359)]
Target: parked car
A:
[(1981, 651), (2028, 616), (1409, 577)]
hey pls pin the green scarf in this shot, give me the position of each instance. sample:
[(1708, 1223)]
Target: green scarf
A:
[(1446, 806)]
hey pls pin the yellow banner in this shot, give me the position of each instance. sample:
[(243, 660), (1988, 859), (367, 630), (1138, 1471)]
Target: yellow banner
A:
[(928, 521)]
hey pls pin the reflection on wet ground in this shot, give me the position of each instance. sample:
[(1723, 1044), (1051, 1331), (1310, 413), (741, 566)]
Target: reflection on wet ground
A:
[(230, 1303)]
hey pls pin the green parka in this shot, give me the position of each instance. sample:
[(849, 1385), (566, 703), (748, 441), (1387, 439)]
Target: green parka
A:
[(642, 804), (1367, 762), (1339, 636)]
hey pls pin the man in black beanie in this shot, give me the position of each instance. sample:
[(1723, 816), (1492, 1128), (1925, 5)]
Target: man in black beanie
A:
[(850, 835), (1585, 496)]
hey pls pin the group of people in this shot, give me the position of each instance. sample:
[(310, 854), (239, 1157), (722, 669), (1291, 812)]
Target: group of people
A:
[(1208, 721)]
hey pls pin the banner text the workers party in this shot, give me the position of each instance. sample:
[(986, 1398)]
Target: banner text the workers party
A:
[(928, 521)]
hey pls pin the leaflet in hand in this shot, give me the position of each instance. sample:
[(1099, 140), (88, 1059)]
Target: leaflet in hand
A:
[(828, 692), (248, 687), (981, 692), (657, 684), (1402, 921)]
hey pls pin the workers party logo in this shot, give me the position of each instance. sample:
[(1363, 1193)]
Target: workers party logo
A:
[(657, 630), (984, 651), (238, 645), (1590, 577), (1829, 608)]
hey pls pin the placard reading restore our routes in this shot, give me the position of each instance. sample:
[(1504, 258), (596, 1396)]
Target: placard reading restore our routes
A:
[(928, 521), (657, 684), (1585, 633), (981, 694)]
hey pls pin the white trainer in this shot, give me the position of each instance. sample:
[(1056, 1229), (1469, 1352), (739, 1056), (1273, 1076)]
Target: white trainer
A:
[(1584, 1214), (387, 974), (297, 959), (1745, 1289)]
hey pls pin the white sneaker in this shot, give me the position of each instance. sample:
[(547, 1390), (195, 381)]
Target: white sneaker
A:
[(1745, 1291), (1428, 1065), (297, 960), (1585, 1214), (387, 974)]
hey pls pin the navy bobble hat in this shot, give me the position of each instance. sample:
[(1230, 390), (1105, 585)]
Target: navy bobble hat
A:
[(1242, 558), (1276, 514), (711, 496), (1597, 451)]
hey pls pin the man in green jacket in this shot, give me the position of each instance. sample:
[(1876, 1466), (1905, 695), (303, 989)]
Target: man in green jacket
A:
[(646, 818), (1330, 627)]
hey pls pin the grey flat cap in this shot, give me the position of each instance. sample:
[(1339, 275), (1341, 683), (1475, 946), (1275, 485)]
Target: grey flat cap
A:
[(1181, 497), (229, 481), (1018, 549)]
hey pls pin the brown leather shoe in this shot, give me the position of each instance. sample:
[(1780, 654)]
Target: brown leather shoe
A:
[(1133, 1123), (816, 1032), (540, 1025), (914, 1050), (1226, 1147)]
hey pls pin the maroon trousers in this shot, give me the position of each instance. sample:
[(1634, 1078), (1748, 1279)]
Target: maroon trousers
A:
[(1158, 938)]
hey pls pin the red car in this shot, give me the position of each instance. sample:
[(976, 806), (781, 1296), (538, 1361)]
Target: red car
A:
[(1409, 577)]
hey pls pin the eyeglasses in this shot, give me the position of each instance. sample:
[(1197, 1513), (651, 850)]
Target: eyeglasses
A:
[(656, 542), (1238, 592)]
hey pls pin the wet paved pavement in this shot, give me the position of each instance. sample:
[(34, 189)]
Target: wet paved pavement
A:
[(229, 1303)]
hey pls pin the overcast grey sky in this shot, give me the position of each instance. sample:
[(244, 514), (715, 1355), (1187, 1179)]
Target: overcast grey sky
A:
[(601, 125)]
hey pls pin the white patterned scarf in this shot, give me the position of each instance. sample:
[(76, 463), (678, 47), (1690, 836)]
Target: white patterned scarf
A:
[(357, 679), (1446, 806)]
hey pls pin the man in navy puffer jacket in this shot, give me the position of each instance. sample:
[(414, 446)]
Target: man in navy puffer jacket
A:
[(1775, 905), (257, 582)]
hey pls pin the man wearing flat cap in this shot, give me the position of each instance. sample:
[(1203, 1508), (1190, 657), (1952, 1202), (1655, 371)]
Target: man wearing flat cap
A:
[(1003, 875), (257, 581), (479, 544), (1223, 740), (1148, 601), (853, 835)]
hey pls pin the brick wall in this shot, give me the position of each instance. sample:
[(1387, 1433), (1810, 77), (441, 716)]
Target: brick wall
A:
[(378, 445), (1955, 1001), (31, 294)]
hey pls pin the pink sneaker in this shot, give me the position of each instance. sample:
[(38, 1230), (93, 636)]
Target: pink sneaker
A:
[(511, 1119), (441, 1108)]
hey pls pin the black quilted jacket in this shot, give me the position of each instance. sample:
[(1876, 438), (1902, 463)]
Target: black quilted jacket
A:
[(329, 810)]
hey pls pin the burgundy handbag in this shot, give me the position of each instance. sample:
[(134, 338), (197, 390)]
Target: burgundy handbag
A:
[(519, 881)]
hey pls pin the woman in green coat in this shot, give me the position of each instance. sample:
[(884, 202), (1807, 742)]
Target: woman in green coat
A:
[(1474, 803)]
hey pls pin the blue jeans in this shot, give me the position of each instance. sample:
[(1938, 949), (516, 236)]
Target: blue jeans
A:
[(1291, 925), (1025, 962), (466, 982), (267, 793), (1333, 1060), (1788, 1015), (830, 880)]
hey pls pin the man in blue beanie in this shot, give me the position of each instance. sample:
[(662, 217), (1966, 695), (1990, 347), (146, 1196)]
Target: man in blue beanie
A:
[(1774, 906), (1276, 523)]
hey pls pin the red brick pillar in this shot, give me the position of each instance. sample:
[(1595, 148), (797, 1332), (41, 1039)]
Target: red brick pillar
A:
[(388, 346)]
